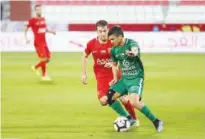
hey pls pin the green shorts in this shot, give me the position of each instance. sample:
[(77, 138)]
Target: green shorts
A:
[(128, 86)]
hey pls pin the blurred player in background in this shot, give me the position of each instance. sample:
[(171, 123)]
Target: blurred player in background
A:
[(38, 26), (126, 53), (100, 48)]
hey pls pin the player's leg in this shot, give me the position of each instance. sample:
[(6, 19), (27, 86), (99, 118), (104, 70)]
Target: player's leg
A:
[(135, 93), (40, 63), (123, 99), (102, 97), (126, 102), (128, 106), (102, 89), (113, 94), (44, 56)]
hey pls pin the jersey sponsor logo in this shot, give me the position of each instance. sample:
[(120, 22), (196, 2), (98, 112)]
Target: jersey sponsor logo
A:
[(103, 51), (42, 30), (94, 52), (128, 69), (129, 73), (102, 61)]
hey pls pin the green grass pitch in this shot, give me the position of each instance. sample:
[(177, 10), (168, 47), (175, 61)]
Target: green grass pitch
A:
[(66, 109)]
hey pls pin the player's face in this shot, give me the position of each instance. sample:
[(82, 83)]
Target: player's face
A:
[(115, 40), (102, 33), (38, 11)]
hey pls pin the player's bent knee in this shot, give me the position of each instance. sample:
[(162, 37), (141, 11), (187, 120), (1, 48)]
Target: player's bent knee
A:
[(103, 100), (103, 103), (47, 60), (43, 59), (133, 102), (136, 103)]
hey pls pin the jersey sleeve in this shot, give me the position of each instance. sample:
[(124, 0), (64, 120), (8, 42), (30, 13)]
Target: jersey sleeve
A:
[(112, 55), (134, 46), (29, 23), (88, 48)]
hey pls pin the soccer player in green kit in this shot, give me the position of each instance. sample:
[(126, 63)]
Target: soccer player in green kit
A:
[(126, 53)]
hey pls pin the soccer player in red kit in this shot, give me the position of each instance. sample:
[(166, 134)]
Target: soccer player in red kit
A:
[(38, 26), (100, 48)]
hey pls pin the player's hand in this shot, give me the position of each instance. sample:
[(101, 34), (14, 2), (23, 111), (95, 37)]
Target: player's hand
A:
[(114, 81), (54, 32), (108, 65), (130, 53), (84, 79), (28, 41)]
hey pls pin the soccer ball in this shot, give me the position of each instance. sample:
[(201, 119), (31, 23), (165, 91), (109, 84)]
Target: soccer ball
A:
[(121, 124)]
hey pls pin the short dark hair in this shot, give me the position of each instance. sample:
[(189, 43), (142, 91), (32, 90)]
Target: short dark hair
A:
[(101, 23), (37, 5), (116, 30)]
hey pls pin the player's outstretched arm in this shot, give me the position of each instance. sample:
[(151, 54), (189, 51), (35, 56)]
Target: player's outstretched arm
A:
[(51, 31), (25, 34), (84, 68)]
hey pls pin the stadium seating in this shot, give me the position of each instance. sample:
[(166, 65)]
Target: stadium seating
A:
[(90, 11), (133, 15)]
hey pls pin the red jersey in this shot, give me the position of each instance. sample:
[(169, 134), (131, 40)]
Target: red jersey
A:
[(38, 26), (101, 55)]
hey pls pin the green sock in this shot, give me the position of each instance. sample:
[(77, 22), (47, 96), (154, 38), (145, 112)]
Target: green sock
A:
[(146, 111), (117, 107)]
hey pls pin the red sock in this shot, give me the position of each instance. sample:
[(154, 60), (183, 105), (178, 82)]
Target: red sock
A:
[(39, 64), (43, 68), (130, 109)]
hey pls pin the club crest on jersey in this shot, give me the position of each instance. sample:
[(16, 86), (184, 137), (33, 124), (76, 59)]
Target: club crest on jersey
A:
[(126, 63)]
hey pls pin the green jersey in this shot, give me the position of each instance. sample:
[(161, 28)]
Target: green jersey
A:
[(131, 67)]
